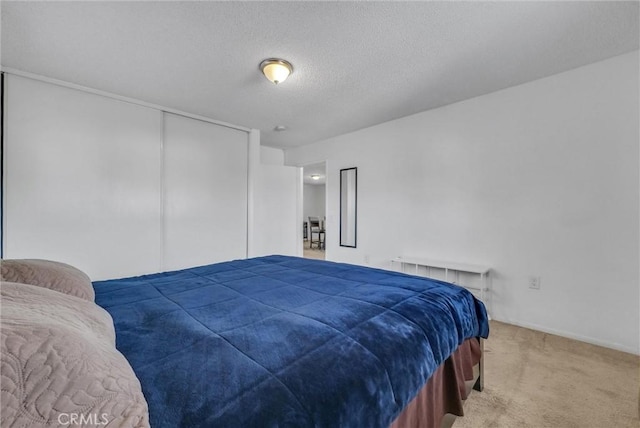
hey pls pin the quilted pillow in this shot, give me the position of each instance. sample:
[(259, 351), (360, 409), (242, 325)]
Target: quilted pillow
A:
[(59, 365), (45, 273)]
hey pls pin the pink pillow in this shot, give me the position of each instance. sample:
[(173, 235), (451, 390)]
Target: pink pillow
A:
[(45, 273)]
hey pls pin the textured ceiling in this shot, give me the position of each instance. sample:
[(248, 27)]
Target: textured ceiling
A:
[(356, 63)]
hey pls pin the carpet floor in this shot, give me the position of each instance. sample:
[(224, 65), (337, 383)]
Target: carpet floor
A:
[(534, 380), (312, 253)]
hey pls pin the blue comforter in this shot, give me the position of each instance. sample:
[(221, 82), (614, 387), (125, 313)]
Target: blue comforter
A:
[(285, 342)]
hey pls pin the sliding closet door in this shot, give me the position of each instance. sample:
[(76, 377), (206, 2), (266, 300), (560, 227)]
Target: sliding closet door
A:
[(82, 179), (205, 193)]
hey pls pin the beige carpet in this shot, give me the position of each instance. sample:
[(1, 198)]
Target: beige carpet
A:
[(312, 253), (533, 379)]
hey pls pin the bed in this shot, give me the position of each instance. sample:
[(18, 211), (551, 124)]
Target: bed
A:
[(285, 341), (274, 341)]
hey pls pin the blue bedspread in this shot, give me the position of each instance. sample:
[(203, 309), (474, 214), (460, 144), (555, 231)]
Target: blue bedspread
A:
[(284, 341)]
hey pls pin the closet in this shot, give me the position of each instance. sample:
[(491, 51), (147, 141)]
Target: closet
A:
[(118, 188)]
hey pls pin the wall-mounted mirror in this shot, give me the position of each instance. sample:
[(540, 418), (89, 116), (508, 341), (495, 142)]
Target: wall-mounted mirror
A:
[(348, 206)]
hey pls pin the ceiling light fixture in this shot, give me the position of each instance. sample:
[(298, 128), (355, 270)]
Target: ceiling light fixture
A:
[(276, 70), (315, 177), (280, 128)]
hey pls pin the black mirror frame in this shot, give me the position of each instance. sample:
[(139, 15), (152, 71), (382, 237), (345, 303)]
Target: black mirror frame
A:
[(355, 214)]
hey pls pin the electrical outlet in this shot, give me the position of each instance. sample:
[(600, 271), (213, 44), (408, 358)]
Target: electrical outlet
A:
[(534, 282), (366, 259)]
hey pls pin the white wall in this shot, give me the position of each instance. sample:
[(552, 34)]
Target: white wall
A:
[(271, 156), (276, 212), (539, 179)]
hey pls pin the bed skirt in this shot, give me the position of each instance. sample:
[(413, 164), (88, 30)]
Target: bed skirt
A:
[(444, 392)]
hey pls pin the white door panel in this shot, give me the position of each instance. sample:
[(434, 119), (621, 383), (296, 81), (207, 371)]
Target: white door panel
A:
[(82, 179), (205, 193)]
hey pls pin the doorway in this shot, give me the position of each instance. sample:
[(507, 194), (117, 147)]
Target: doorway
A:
[(314, 217)]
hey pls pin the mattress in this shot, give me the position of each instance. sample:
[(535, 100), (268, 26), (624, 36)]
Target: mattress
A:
[(285, 341)]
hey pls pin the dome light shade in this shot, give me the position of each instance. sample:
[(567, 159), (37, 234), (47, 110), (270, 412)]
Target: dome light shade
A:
[(276, 70)]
